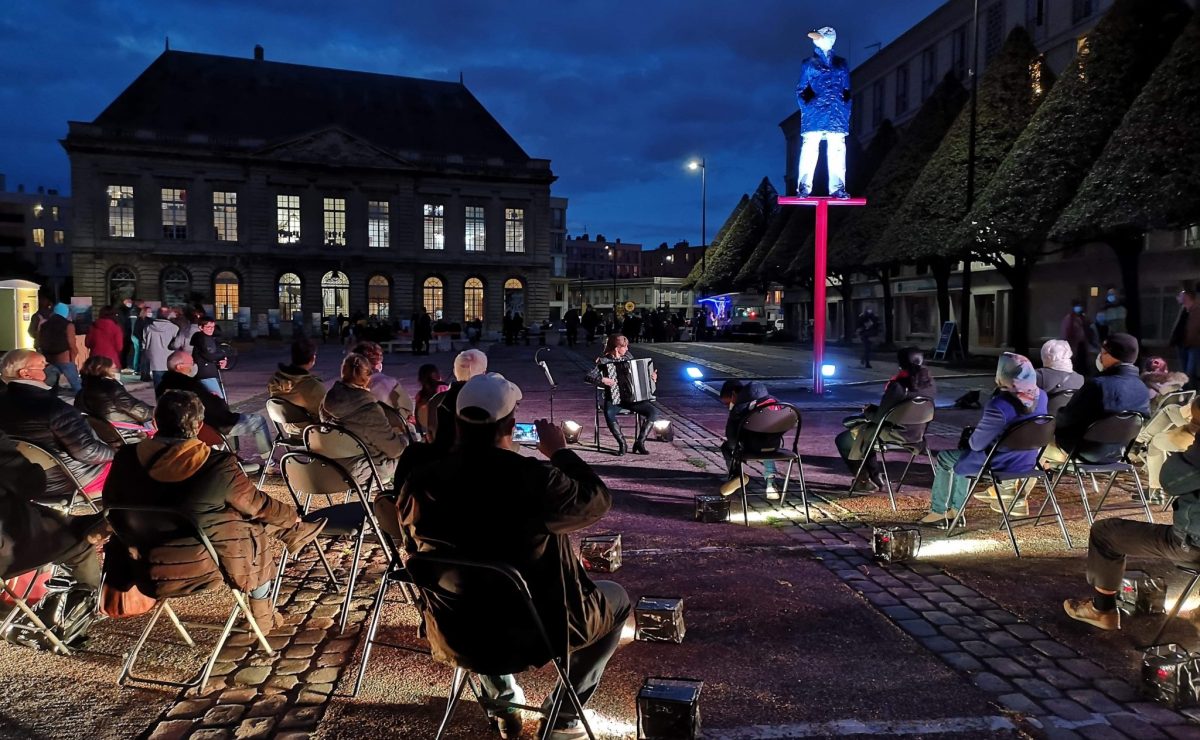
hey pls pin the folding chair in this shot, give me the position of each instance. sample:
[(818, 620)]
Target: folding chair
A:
[(21, 606), (1035, 433), (1056, 401), (216, 439), (638, 420), (396, 574), (104, 429), (48, 461), (338, 443), (285, 416), (308, 474), (1121, 429), (1174, 398), (145, 527), (910, 411), (776, 418), (492, 588), (1183, 597)]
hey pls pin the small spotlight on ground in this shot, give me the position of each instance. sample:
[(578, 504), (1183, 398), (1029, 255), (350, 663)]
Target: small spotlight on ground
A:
[(828, 371), (694, 373), (571, 431)]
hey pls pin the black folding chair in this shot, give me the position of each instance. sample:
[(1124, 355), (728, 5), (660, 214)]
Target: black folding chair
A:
[(487, 588), (289, 421), (774, 419), (339, 443), (1056, 401), (21, 606), (1120, 429), (637, 418), (1035, 433), (396, 574), (1174, 398), (48, 461), (308, 474), (914, 411), (145, 527)]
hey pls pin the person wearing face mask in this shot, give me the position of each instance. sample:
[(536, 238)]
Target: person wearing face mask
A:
[(210, 358), (1075, 330), (1115, 313), (157, 338)]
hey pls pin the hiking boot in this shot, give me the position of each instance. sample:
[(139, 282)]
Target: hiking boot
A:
[(1085, 611), (734, 484), (300, 535), (265, 615)]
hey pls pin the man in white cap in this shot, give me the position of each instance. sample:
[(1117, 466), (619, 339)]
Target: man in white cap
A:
[(441, 426), (823, 94), (485, 502)]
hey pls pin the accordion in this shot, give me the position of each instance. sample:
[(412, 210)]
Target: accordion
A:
[(635, 380)]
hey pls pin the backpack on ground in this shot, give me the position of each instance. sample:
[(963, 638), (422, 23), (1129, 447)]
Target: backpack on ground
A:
[(68, 610)]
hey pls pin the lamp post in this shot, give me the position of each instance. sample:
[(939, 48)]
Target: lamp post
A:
[(700, 164), (612, 255)]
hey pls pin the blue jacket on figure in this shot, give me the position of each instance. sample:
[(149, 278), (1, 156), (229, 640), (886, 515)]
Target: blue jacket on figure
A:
[(823, 93), (1002, 411), (1119, 388)]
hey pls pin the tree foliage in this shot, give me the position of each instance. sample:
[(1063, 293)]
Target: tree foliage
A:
[(691, 282), (750, 276), (927, 223), (1050, 158), (1148, 176), (737, 240)]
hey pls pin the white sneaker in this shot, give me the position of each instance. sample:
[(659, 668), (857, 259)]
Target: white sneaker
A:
[(773, 491)]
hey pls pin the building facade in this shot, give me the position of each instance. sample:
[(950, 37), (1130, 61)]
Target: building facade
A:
[(35, 237), (281, 194), (676, 261), (589, 259)]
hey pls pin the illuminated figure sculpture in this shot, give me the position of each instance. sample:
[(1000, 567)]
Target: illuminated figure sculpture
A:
[(823, 94)]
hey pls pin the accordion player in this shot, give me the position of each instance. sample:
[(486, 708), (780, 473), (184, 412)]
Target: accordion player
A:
[(627, 385), (635, 380)]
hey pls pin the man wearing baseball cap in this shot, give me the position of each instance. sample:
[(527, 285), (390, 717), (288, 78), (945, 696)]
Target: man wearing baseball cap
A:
[(485, 502), (1116, 387)]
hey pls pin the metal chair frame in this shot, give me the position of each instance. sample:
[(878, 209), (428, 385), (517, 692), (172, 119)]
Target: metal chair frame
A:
[(47, 460), (241, 607), (771, 419), (915, 410), (639, 420), (427, 568), (1040, 432), (1055, 401), (336, 442), (280, 411), (1194, 572), (1098, 432), (21, 606)]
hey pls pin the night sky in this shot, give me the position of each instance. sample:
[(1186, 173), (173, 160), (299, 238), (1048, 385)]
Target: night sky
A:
[(617, 94)]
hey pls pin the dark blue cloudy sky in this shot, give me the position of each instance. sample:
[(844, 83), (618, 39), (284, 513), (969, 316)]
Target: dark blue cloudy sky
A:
[(618, 94)]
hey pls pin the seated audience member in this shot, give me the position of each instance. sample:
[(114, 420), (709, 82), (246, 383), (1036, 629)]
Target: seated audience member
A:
[(32, 412), (441, 426), (1159, 379), (217, 413), (385, 388), (295, 382), (177, 470), (208, 356), (1057, 374), (1111, 541), (350, 404), (742, 398), (913, 379), (33, 535), (104, 397), (487, 503), (1115, 388), (1172, 431), (1017, 398), (430, 380)]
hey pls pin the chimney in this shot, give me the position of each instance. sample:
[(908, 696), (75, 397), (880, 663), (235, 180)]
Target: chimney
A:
[(3, 186), (20, 188), (258, 52), (41, 189)]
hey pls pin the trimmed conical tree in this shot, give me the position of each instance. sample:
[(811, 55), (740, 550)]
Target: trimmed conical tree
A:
[(728, 255), (1051, 157), (1148, 176), (749, 276), (926, 225), (692, 281)]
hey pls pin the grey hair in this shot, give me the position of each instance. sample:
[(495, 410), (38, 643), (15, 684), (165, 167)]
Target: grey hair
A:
[(175, 358), (179, 414), (470, 363), (14, 361)]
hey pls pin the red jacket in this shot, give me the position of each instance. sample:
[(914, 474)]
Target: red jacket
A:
[(106, 339)]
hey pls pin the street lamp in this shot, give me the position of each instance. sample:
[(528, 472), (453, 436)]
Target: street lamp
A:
[(612, 255), (700, 164)]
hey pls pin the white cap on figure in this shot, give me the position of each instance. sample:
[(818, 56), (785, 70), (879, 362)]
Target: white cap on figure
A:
[(823, 38)]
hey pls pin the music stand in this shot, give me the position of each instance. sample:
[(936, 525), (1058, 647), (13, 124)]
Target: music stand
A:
[(549, 378)]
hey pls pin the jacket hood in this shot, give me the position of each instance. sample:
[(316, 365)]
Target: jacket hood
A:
[(162, 326), (343, 400), (172, 460)]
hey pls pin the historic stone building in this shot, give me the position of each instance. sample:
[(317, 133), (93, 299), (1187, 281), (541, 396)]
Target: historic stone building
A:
[(294, 192)]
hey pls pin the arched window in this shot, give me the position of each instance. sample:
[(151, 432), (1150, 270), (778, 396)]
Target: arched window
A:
[(176, 286), (379, 296), (289, 295), (514, 296), (432, 295), (335, 294), (122, 284), (226, 288), (473, 300)]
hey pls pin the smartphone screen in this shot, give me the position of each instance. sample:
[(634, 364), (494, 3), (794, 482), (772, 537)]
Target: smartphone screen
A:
[(525, 434)]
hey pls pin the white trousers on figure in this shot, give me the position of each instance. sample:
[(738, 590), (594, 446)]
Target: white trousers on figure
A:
[(835, 160)]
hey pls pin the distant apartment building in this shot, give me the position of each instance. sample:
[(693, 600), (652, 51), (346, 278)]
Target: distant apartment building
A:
[(675, 261), (35, 236), (599, 258)]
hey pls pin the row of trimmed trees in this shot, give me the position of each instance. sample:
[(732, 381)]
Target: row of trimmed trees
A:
[(1105, 153)]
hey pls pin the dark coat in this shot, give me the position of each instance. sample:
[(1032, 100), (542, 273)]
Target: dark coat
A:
[(896, 392), (216, 411), (211, 487), (748, 399), (107, 399), (443, 417), (495, 505), (1002, 411), (823, 94), (207, 355), (1118, 388), (357, 410), (37, 415), (1056, 381), (30, 534)]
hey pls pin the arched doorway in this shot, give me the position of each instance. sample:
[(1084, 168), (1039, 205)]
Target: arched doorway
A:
[(176, 286), (226, 289), (122, 284), (473, 300), (433, 297), (514, 296), (289, 296), (335, 294), (379, 297)]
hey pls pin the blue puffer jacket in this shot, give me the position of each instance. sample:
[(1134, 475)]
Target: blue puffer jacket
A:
[(1000, 413), (823, 94)]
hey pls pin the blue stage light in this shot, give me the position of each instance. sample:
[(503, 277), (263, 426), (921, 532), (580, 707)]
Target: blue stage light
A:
[(694, 373), (828, 371)]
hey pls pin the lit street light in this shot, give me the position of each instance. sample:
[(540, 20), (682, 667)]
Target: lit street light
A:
[(700, 164)]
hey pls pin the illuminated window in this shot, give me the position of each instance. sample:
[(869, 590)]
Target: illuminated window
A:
[(54, 212), (473, 300), (122, 284), (289, 295), (476, 233), (335, 294), (901, 89), (378, 233), (225, 293), (225, 217), (176, 286), (514, 296), (287, 215), (37, 210), (379, 297), (120, 211), (514, 229), (435, 223), (174, 213), (431, 294), (39, 237), (60, 236), (335, 222)]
